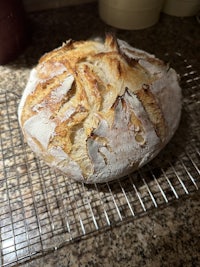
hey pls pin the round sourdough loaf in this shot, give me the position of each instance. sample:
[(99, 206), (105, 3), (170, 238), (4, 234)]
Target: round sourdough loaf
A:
[(98, 111)]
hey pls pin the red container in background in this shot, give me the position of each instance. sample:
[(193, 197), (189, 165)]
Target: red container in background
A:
[(13, 26)]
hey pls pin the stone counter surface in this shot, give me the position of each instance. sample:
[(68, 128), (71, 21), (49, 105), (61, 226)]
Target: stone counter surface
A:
[(166, 237)]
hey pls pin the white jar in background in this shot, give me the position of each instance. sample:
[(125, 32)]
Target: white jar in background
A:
[(130, 14), (181, 8)]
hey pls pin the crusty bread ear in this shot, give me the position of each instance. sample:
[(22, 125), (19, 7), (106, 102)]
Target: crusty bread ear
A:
[(97, 111)]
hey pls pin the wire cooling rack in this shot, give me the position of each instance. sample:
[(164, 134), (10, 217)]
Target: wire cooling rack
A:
[(41, 210)]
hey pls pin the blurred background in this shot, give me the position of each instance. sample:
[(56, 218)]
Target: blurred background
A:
[(46, 24)]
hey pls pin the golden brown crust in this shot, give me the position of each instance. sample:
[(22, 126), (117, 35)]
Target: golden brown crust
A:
[(153, 110), (91, 101)]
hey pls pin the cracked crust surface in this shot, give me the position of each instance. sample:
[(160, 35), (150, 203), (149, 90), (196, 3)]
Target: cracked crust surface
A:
[(97, 111)]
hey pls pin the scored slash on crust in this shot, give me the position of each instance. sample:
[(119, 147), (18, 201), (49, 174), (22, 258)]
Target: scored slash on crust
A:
[(109, 109)]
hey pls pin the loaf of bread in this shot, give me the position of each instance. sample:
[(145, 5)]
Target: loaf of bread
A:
[(97, 111)]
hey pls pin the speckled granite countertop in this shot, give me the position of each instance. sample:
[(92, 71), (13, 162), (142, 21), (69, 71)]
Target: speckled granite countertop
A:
[(167, 237)]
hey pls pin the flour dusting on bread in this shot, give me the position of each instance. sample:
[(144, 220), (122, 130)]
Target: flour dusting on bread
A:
[(98, 110)]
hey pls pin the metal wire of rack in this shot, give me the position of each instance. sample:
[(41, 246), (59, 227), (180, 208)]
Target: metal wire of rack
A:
[(41, 210)]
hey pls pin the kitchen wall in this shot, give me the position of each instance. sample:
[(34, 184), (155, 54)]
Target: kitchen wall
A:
[(33, 5)]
